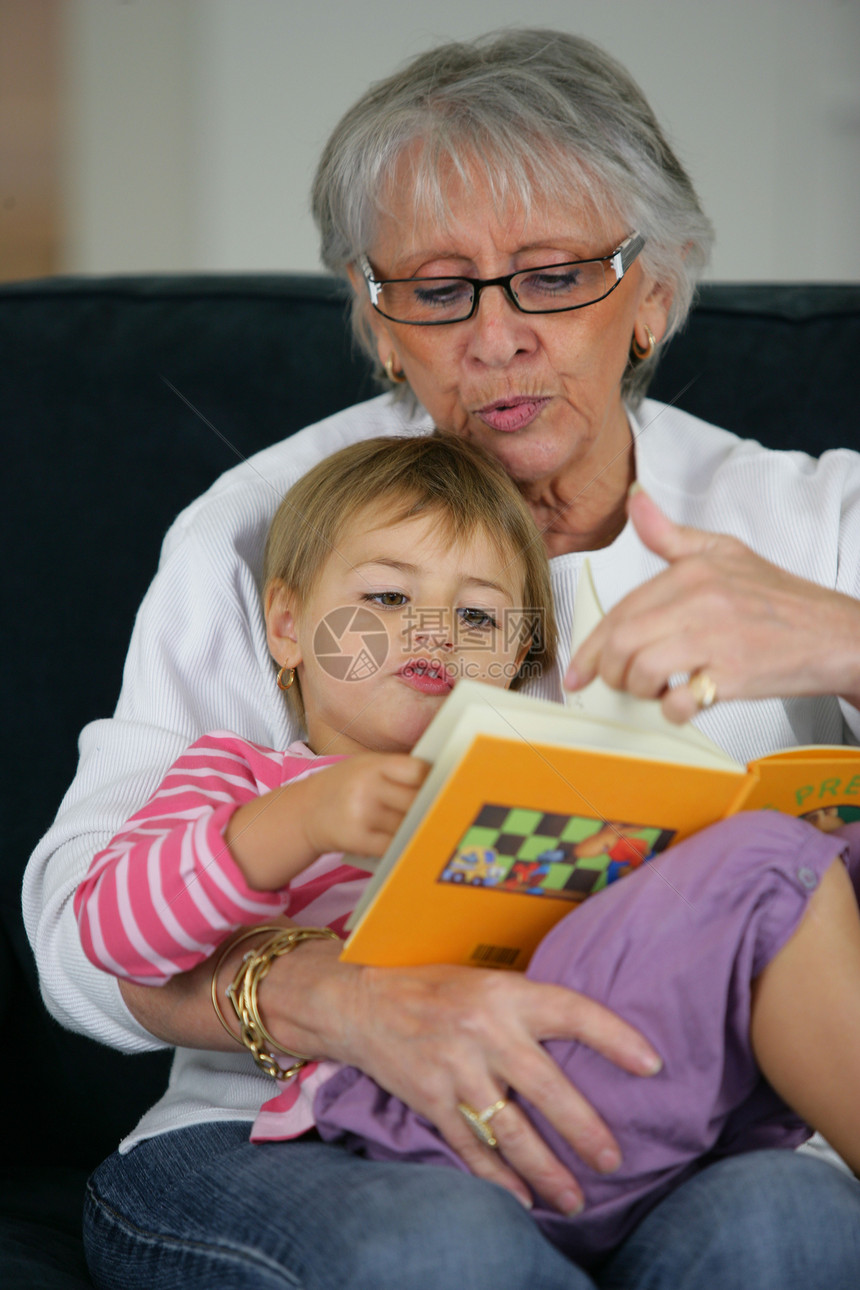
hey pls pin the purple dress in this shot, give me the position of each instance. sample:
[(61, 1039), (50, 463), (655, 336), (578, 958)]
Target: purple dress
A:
[(672, 948)]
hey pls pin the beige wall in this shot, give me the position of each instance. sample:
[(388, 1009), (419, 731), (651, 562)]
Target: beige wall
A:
[(192, 126), (31, 231)]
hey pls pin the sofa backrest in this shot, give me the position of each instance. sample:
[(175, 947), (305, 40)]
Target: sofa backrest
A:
[(122, 400)]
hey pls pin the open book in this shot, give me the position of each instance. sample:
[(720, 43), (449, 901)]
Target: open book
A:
[(531, 806)]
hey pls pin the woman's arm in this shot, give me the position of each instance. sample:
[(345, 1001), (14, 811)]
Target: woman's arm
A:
[(756, 630), (433, 1036)]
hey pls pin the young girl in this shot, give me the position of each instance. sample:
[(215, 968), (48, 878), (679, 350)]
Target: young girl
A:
[(392, 569)]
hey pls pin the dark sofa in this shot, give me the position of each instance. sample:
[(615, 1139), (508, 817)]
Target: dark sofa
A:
[(121, 400)]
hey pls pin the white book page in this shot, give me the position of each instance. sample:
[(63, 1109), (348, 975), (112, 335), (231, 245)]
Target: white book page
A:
[(601, 701)]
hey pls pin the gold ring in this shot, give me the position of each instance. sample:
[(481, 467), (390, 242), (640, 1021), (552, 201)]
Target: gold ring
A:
[(703, 689), (479, 1121)]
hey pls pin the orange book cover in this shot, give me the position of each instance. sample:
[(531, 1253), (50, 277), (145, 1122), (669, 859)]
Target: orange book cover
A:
[(821, 784), (520, 833)]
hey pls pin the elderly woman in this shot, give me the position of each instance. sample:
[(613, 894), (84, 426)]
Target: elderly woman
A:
[(521, 241)]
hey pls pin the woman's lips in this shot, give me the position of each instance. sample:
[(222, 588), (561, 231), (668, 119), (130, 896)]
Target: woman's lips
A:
[(511, 414), (427, 675)]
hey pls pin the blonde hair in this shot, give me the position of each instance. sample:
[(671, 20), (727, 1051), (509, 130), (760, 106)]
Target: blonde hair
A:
[(436, 474)]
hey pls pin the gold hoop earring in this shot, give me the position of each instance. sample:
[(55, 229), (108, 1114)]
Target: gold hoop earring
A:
[(394, 375), (639, 353), (282, 684)]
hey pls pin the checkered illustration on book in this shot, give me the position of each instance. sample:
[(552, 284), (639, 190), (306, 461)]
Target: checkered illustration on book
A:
[(531, 807), (571, 856)]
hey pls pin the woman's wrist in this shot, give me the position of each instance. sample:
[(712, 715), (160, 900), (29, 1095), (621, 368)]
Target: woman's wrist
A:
[(300, 1001), (841, 651), (850, 689), (181, 1012), (244, 990)]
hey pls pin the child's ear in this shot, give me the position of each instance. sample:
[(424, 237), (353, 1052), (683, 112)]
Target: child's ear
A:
[(281, 626)]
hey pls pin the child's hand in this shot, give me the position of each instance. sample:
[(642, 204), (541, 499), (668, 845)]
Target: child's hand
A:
[(358, 804)]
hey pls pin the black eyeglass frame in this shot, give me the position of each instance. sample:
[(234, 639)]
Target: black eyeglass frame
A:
[(619, 261)]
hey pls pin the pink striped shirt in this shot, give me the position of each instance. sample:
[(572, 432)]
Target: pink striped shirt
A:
[(166, 892)]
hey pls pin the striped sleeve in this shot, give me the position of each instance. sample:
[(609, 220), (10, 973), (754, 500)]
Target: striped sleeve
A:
[(166, 891)]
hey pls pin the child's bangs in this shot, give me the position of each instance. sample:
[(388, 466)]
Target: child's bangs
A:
[(456, 523)]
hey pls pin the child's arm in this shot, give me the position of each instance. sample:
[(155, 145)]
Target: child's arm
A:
[(356, 806), (168, 889)]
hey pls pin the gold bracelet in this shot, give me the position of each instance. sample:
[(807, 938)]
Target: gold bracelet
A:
[(243, 989), (231, 945)]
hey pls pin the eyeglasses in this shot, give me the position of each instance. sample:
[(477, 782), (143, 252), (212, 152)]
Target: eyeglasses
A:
[(546, 289)]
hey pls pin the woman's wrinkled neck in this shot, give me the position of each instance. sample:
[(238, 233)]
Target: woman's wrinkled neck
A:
[(583, 510)]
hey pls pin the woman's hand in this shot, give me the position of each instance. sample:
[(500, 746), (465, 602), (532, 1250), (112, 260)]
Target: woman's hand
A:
[(432, 1036), (756, 630), (436, 1036)]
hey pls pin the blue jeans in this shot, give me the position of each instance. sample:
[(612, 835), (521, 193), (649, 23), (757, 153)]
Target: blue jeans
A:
[(202, 1208)]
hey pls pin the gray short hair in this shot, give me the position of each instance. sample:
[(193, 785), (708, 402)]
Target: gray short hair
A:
[(547, 115)]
